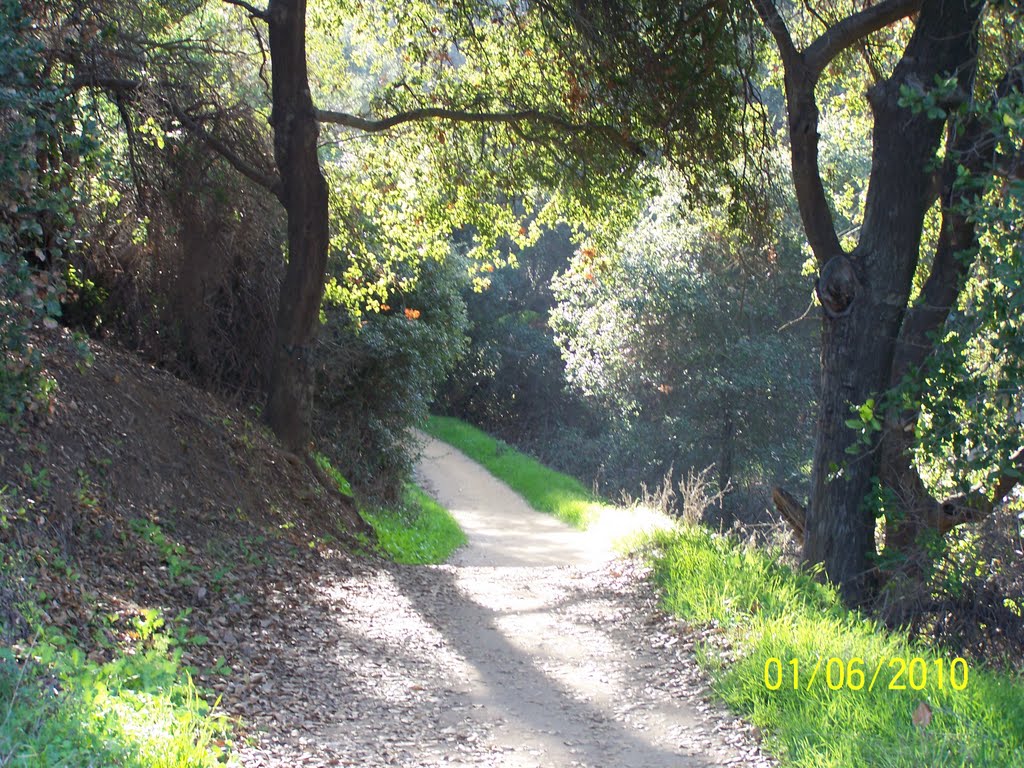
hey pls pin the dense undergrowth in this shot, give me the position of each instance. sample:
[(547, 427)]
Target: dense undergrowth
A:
[(762, 616), (141, 710)]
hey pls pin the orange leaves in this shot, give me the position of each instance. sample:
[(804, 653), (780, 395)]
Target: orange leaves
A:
[(576, 95), (412, 314), (590, 262)]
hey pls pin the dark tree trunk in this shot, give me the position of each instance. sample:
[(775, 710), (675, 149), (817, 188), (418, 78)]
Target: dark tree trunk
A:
[(304, 195), (864, 294), (873, 287)]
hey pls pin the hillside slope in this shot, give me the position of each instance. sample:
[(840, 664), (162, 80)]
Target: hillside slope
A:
[(138, 492)]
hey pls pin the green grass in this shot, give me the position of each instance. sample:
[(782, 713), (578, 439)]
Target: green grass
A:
[(420, 532), (544, 489), (767, 611), (57, 708)]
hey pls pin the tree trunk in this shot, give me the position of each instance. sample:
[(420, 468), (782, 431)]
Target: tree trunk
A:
[(865, 295), (304, 195)]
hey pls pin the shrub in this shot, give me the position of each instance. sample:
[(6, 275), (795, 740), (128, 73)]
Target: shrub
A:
[(375, 380), (36, 213)]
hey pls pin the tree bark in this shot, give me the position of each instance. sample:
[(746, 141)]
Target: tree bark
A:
[(864, 294), (303, 192)]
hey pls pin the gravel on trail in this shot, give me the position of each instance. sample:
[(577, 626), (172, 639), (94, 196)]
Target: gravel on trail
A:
[(534, 647)]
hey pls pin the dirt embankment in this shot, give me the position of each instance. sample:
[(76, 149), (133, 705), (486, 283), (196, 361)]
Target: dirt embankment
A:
[(138, 491)]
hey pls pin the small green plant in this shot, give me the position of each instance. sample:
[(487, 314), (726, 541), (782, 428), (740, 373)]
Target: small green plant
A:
[(86, 494), (38, 480), (419, 532), (172, 553)]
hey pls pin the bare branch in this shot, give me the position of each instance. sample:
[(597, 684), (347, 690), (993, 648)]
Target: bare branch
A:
[(792, 510), (369, 125), (253, 10), (852, 29), (118, 85), (270, 182)]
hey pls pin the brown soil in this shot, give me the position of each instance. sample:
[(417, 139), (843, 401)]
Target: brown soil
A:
[(156, 495)]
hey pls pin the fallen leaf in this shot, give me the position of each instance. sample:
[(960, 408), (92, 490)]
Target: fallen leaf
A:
[(922, 716)]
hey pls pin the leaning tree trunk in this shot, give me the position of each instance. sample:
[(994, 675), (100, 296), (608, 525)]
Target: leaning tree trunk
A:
[(304, 195)]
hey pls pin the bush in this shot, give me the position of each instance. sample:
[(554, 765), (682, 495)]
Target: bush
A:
[(35, 215), (191, 278), (375, 380)]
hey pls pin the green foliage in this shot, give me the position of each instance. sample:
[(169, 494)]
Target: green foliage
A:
[(676, 334), (544, 489), (970, 389), (376, 380), (417, 532), (593, 101), (511, 381), (767, 611), (35, 212), (139, 710), (171, 552)]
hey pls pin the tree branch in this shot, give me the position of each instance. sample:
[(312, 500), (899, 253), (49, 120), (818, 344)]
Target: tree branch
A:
[(774, 23), (270, 182), (975, 506), (369, 125), (852, 29), (253, 10), (117, 85), (792, 510)]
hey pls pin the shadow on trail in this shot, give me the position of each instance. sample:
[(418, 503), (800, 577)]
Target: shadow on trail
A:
[(541, 712)]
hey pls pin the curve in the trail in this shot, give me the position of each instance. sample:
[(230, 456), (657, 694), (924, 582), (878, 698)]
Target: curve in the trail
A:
[(502, 529), (530, 650), (563, 671)]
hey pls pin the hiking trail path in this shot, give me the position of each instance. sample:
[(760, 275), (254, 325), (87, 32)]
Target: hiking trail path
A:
[(532, 648)]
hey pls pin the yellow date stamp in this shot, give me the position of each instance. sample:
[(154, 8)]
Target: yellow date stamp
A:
[(895, 673)]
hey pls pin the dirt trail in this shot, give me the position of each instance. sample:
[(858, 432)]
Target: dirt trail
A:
[(532, 648), (503, 530)]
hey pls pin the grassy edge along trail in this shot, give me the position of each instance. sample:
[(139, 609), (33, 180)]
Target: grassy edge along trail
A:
[(773, 626), (418, 531), (544, 489)]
